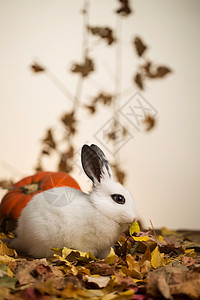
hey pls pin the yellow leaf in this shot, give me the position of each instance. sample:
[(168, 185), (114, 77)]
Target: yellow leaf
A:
[(146, 266), (77, 255), (110, 259), (156, 258), (5, 259), (166, 232), (135, 228), (160, 238), (141, 238), (132, 264), (4, 250), (90, 255), (190, 252), (66, 252), (131, 272), (10, 272)]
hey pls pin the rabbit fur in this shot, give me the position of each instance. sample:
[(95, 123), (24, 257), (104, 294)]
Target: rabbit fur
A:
[(68, 217)]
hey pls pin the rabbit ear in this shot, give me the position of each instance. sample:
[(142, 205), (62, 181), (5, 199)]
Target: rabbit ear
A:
[(103, 158), (94, 162)]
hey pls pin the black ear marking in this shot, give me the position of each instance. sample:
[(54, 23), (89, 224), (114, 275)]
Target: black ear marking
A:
[(102, 156), (92, 164)]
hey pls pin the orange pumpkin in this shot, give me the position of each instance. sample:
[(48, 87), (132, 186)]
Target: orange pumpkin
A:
[(19, 196)]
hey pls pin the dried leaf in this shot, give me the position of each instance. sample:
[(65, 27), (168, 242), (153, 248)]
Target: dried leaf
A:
[(125, 9), (112, 135), (103, 98), (49, 140), (162, 71), (153, 72), (146, 266), (100, 281), (91, 109), (150, 122), (139, 81), (72, 254), (101, 268), (4, 250), (190, 287), (72, 292), (122, 281), (104, 32), (172, 245), (84, 69), (163, 287), (5, 259), (156, 258), (139, 46), (36, 68), (48, 287), (45, 152), (64, 165), (6, 184), (167, 232), (110, 259), (69, 121)]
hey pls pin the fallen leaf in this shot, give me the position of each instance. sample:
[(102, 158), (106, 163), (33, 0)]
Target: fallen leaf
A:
[(4, 293), (141, 238), (163, 287), (100, 267), (72, 292), (123, 282), (166, 232), (31, 294), (110, 259), (135, 228), (5, 259), (145, 267), (156, 258), (188, 261), (8, 282), (4, 250), (100, 281), (48, 287)]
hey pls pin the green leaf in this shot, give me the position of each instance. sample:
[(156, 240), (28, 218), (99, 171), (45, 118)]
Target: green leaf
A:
[(8, 282)]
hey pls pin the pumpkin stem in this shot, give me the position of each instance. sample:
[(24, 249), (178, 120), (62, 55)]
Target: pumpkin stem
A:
[(30, 188)]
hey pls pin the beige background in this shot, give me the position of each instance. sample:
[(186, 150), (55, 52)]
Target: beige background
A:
[(163, 166)]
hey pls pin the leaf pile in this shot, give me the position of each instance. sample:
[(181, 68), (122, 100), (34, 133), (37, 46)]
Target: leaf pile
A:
[(143, 266)]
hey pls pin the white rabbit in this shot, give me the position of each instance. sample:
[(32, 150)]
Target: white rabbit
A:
[(68, 217)]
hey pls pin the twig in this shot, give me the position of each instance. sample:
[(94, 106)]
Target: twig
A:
[(154, 232), (118, 57), (57, 82)]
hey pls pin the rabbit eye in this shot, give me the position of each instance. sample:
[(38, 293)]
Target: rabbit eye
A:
[(118, 198)]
